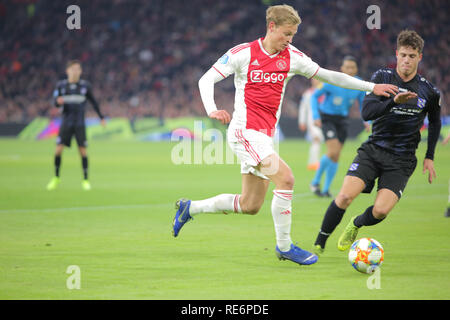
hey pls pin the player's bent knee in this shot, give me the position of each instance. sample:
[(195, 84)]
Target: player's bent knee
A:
[(335, 158), (343, 200), (289, 182), (380, 212), (251, 206), (334, 155), (251, 210)]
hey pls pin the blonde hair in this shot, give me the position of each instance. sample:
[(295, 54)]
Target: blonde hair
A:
[(282, 14)]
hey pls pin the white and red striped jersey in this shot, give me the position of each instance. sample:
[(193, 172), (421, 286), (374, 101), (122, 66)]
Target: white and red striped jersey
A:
[(260, 80)]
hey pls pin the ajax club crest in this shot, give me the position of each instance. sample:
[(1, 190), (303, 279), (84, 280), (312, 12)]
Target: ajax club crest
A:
[(281, 64)]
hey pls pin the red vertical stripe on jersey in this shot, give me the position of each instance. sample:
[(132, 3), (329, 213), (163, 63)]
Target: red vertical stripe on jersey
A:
[(247, 146), (263, 91)]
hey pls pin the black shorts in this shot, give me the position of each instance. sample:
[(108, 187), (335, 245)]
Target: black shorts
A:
[(392, 171), (67, 132), (334, 127)]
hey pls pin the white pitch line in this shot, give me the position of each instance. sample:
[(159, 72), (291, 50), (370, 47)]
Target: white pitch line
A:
[(144, 206), (113, 207), (129, 206)]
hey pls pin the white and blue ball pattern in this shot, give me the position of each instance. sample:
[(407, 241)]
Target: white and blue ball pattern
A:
[(366, 255)]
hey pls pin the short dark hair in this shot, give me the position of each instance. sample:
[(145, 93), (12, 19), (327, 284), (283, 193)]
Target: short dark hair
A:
[(349, 58), (72, 62), (410, 38)]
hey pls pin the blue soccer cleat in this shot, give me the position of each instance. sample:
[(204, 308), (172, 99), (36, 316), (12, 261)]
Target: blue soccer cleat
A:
[(182, 216), (297, 255)]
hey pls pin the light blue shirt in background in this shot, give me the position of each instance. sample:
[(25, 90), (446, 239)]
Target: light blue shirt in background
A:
[(338, 101)]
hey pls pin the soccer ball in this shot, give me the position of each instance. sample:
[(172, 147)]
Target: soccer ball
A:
[(366, 255)]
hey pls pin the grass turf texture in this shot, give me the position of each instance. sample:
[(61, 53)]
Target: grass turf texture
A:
[(119, 233)]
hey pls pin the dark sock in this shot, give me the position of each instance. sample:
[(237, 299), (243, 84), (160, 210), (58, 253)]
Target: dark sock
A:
[(84, 161), (332, 218), (366, 219), (57, 165)]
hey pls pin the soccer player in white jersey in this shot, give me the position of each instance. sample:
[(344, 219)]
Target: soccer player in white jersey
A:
[(306, 123), (261, 71)]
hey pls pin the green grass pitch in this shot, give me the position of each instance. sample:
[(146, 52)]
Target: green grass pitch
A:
[(119, 233)]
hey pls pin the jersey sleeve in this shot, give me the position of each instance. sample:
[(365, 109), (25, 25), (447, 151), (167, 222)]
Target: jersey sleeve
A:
[(434, 124), (230, 62), (375, 106), (302, 64), (55, 95), (93, 101)]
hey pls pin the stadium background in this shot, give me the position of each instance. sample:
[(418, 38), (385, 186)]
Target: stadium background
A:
[(144, 58)]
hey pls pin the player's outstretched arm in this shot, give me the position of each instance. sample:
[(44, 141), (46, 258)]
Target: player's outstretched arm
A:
[(403, 97), (434, 127), (345, 81), (95, 105), (434, 130), (375, 106), (384, 89)]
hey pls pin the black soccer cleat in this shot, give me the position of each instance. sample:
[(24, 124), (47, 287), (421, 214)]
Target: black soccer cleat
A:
[(325, 194)]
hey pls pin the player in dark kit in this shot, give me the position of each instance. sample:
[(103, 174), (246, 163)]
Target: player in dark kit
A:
[(71, 94), (389, 153)]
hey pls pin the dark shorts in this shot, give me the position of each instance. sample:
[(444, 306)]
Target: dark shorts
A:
[(334, 127), (67, 132), (392, 171)]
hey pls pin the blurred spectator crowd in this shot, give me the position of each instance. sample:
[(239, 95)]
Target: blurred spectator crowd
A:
[(144, 58)]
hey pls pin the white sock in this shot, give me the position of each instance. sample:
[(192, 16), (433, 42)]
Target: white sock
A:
[(222, 203), (314, 152), (282, 218)]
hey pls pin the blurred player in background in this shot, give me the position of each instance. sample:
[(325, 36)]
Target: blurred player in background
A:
[(306, 123), (71, 94), (389, 153), (261, 71), (332, 117)]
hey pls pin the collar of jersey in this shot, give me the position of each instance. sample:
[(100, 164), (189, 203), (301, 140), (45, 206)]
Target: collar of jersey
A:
[(264, 50), (400, 78)]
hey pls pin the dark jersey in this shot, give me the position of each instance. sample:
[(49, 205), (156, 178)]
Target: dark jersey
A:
[(75, 96), (396, 127)]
